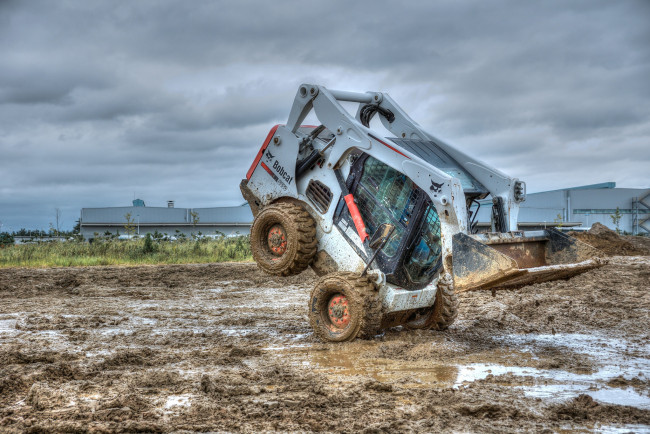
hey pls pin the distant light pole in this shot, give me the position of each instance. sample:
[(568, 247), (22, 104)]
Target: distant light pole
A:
[(138, 224)]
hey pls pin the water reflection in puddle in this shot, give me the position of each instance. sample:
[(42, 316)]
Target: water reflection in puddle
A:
[(609, 395), (177, 401), (595, 345), (8, 326)]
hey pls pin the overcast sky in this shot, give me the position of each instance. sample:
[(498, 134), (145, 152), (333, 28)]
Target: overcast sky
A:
[(170, 100)]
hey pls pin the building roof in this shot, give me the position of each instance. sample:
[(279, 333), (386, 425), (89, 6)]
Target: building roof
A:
[(231, 215), (600, 186), (584, 187)]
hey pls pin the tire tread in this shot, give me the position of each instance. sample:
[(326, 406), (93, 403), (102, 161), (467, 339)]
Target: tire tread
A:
[(292, 215), (363, 291)]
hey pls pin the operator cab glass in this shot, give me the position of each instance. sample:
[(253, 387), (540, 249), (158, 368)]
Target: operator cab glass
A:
[(423, 261), (412, 256), (385, 196)]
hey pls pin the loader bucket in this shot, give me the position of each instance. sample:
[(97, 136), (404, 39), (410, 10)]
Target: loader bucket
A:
[(515, 259)]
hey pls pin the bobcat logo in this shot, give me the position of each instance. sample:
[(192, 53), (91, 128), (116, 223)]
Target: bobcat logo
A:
[(436, 188), (269, 156)]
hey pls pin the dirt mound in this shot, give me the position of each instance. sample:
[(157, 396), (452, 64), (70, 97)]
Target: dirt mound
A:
[(608, 241)]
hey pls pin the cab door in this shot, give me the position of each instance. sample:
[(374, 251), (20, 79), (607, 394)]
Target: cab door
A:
[(385, 195)]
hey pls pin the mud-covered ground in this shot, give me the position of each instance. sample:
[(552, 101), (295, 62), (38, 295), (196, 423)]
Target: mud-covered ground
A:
[(226, 348)]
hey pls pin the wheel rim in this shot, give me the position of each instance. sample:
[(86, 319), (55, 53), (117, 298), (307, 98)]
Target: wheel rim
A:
[(277, 240), (338, 311)]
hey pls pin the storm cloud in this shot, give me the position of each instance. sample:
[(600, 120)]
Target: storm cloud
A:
[(167, 100)]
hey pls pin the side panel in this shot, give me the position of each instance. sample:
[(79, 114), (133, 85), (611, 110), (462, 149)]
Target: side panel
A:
[(327, 177), (274, 175), (397, 299), (340, 251)]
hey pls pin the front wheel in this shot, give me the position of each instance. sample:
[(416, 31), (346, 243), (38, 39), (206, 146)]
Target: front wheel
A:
[(283, 239), (344, 306), (444, 311)]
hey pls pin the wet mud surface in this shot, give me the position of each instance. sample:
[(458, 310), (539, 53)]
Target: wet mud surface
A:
[(226, 348)]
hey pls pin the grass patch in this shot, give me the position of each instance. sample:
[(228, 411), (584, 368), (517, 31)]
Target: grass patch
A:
[(127, 252)]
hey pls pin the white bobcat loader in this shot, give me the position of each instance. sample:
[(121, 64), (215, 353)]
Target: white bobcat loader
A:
[(388, 222)]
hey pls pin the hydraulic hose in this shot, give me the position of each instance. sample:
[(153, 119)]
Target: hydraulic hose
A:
[(352, 207)]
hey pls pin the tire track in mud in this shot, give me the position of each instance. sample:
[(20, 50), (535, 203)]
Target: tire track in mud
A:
[(225, 347)]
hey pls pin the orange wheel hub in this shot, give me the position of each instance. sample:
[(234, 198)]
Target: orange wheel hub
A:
[(338, 312), (277, 240)]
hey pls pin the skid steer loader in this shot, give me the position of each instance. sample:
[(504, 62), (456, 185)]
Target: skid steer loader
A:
[(389, 223)]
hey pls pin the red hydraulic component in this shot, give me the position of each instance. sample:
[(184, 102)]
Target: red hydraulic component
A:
[(356, 217), (261, 152), (338, 312), (277, 240)]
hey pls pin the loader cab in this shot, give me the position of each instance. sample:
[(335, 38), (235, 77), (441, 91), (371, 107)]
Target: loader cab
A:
[(413, 255)]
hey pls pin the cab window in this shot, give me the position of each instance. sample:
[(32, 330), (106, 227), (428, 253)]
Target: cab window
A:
[(424, 259), (385, 195)]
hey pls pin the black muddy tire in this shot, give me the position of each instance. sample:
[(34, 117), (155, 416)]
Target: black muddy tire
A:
[(283, 239), (444, 311), (344, 306)]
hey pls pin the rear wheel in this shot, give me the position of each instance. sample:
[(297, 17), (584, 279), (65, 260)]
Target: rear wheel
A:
[(444, 311), (344, 306), (283, 239)]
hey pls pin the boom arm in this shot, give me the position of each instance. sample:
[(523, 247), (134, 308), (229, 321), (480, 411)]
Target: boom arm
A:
[(510, 190)]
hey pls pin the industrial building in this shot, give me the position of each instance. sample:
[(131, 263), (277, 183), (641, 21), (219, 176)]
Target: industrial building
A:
[(570, 207), (581, 207), (232, 220)]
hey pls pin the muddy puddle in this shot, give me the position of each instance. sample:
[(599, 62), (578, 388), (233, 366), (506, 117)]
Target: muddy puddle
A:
[(610, 378), (226, 348)]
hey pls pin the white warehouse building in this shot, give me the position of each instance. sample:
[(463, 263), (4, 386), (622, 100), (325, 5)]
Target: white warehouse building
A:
[(582, 206), (231, 220)]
